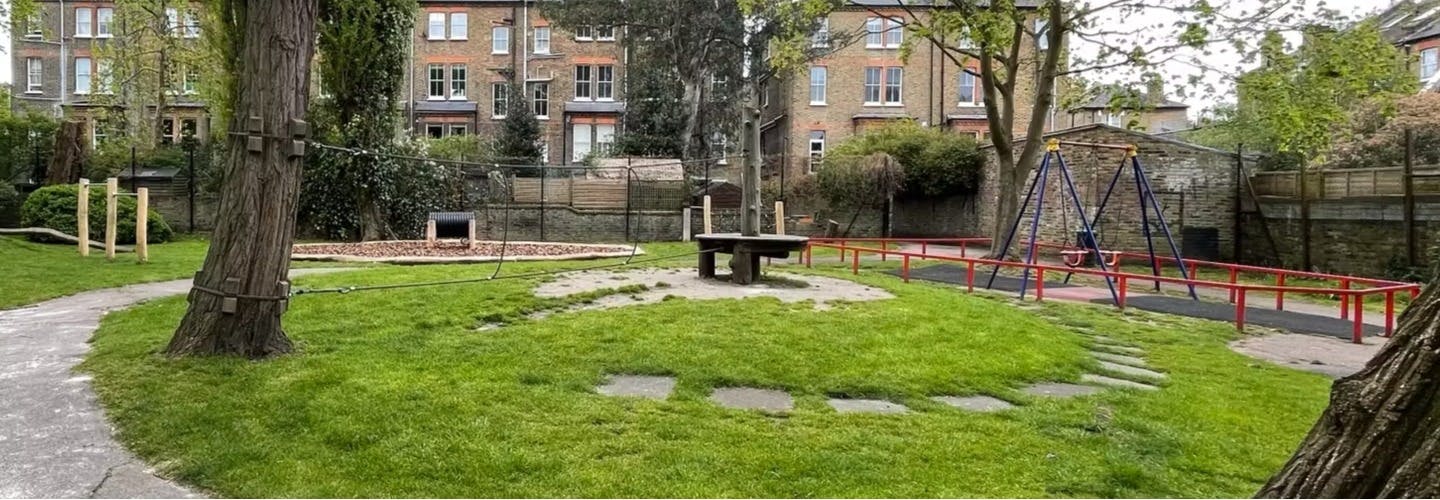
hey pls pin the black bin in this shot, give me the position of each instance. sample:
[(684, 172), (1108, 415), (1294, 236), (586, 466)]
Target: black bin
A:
[(452, 224), (1202, 243)]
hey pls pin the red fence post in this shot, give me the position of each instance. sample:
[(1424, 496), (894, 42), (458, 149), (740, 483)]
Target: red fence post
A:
[(1280, 294), (924, 249), (842, 251), (1344, 300), (1234, 278), (1040, 285), (1414, 293), (1358, 336), (1240, 310), (884, 250), (1389, 313), (970, 276), (855, 261), (809, 256), (1124, 288), (905, 269), (962, 248)]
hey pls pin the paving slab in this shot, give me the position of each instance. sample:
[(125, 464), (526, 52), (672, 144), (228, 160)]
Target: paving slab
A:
[(1120, 359), (1060, 390), (748, 398), (867, 406), (975, 403), (1131, 371), (56, 440), (1091, 378), (637, 386), (1117, 349)]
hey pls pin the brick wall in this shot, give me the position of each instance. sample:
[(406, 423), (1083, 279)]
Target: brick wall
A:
[(1361, 236), (1195, 187)]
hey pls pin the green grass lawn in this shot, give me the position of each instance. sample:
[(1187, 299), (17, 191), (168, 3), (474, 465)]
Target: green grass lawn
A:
[(394, 393), (35, 272)]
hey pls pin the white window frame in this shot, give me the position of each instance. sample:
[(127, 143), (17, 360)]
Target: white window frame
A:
[(192, 25), (975, 96), (190, 81), (582, 142), (894, 32), (821, 37), (499, 100), (819, 83), (601, 36), (604, 142), (458, 81), (431, 82), (500, 40), (459, 26), (605, 87), (542, 40), (35, 25), (874, 33), (84, 22), (1428, 69), (897, 83), (83, 78), (718, 145), (34, 75), (434, 126), (584, 33), (435, 26), (172, 21), (104, 18), (457, 129), (585, 82), (536, 89), (1042, 42), (816, 155), (878, 86)]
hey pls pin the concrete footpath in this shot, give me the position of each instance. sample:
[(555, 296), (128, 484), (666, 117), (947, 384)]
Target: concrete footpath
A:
[(54, 439)]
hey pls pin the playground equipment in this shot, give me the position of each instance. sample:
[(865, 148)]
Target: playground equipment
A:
[(1054, 159), (112, 194)]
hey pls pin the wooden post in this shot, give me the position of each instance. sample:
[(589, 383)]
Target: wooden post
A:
[(142, 224), (112, 188), (472, 233), (685, 224), (706, 208), (82, 218), (780, 218), (430, 233)]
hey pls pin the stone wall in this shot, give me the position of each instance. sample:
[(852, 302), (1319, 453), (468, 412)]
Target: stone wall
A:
[(1360, 236), (1194, 185), (532, 223), (956, 216)]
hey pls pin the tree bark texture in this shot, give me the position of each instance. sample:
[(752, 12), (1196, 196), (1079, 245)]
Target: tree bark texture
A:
[(65, 164), (1380, 437), (249, 253)]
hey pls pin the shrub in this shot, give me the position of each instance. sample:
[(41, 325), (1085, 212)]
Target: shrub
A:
[(54, 207), (936, 163), (9, 203), (859, 182), (405, 191)]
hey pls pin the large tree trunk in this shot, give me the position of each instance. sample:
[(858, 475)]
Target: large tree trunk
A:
[(750, 175), (1380, 437), (249, 255), (693, 96), (64, 165)]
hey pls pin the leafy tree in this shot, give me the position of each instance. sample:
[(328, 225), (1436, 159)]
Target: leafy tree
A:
[(1376, 133), (25, 140), (141, 73), (360, 42), (520, 138), (679, 49), (936, 163)]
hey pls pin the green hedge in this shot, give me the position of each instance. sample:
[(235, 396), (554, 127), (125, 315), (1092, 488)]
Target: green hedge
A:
[(54, 207)]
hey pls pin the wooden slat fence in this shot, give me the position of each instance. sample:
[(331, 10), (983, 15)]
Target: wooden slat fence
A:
[(1351, 183), (595, 194)]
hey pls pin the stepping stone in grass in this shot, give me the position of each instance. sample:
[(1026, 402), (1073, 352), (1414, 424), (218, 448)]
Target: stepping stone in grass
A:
[(1091, 378), (1060, 390), (1131, 371), (975, 403), (866, 406), (746, 398), (1119, 359), (637, 386)]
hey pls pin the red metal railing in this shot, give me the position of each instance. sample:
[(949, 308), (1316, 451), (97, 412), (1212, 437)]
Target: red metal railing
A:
[(1238, 292)]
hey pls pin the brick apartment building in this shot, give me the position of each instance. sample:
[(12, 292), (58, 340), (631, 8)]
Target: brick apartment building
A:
[(464, 50), (56, 69), (1414, 25), (1143, 111), (865, 83)]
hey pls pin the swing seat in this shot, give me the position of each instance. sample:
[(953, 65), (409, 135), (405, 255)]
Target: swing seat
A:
[(1076, 258)]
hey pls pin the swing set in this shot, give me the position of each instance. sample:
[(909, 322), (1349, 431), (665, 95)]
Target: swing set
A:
[(1075, 257)]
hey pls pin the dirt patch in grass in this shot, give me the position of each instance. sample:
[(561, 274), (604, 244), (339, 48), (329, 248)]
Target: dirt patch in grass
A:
[(454, 251), (660, 284)]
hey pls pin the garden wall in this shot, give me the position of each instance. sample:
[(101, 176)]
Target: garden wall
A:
[(1363, 237)]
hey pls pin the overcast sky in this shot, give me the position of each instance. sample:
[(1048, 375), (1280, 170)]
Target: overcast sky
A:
[(1175, 72)]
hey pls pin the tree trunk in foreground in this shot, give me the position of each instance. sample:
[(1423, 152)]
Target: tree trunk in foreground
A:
[(69, 154), (1380, 437), (250, 249)]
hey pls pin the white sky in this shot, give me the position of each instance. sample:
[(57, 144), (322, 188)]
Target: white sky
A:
[(1175, 72)]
